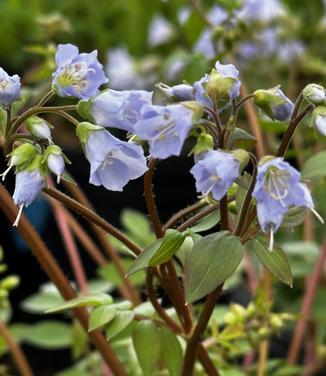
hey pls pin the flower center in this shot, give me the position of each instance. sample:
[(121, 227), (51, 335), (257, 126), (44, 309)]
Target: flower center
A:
[(277, 184), (75, 75), (109, 159), (4, 84)]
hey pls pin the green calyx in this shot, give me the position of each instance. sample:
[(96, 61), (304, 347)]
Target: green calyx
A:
[(196, 108), (83, 130), (83, 108), (242, 156), (22, 155), (36, 164), (265, 159), (217, 86), (205, 142)]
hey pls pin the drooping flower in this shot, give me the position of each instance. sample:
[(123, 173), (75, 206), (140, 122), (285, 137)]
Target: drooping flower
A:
[(113, 162), (222, 83), (257, 10), (165, 128), (39, 128), (116, 109), (274, 103), (319, 119), (29, 183), (278, 188), (9, 88), (215, 173), (77, 75), (314, 93), (55, 160)]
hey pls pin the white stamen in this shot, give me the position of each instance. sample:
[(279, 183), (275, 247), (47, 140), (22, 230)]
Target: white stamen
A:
[(58, 179), (6, 172), (317, 215), (271, 240), (18, 215)]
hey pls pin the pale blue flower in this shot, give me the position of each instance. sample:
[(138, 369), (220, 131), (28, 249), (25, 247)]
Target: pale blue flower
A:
[(165, 128), (260, 10), (215, 173), (278, 188), (113, 162), (77, 75), (9, 88), (56, 164), (119, 109), (160, 31)]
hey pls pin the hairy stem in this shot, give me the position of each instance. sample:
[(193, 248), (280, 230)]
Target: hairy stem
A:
[(16, 352), (51, 268)]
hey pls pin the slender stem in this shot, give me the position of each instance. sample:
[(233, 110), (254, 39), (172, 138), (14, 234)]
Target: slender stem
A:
[(92, 217), (46, 98), (192, 345), (161, 312), (308, 299), (224, 212), (216, 120), (127, 289), (291, 129), (192, 220), (70, 118), (70, 245), (183, 213), (85, 240), (149, 198), (243, 100), (263, 353), (206, 361), (16, 352), (247, 200), (51, 268), (8, 122)]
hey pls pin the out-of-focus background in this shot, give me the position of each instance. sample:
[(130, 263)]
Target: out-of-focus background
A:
[(141, 42)]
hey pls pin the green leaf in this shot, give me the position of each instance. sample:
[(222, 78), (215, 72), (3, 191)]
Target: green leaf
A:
[(211, 261), (49, 334), (137, 225), (159, 252), (110, 274), (171, 352), (83, 301), (207, 222), (294, 217), (118, 324), (275, 261), (144, 258), (100, 316), (41, 301), (315, 166), (242, 139), (146, 341), (172, 241)]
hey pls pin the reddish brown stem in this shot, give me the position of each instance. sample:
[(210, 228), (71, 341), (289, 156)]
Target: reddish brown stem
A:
[(308, 299), (51, 268), (15, 351), (127, 289)]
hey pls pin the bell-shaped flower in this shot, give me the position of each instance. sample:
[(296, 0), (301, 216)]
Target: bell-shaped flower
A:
[(314, 93), (20, 157), (29, 183), (278, 188), (221, 85), (116, 109), (274, 103), (113, 162), (165, 128), (319, 119), (215, 173), (9, 88), (77, 75), (164, 94), (39, 128)]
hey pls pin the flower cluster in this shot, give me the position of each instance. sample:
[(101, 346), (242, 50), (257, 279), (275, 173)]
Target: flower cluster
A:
[(158, 124)]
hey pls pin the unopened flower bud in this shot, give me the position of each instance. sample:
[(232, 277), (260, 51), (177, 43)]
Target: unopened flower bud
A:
[(10, 282), (314, 93), (274, 103), (264, 333), (276, 322), (39, 128), (55, 160)]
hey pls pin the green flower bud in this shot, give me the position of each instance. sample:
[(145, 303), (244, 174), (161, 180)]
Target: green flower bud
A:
[(238, 310), (3, 294), (205, 142), (314, 93), (39, 128), (83, 108), (10, 282), (276, 322), (264, 333)]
